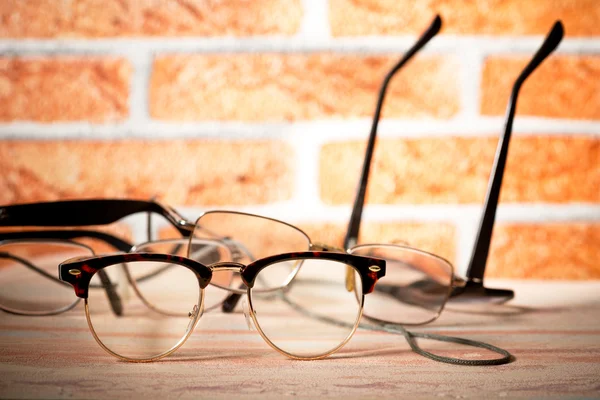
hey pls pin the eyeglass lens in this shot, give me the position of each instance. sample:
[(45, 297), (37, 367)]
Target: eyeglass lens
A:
[(28, 276), (415, 288), (158, 311), (315, 313)]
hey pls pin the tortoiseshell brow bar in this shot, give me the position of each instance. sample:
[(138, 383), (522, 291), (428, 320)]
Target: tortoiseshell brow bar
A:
[(79, 272)]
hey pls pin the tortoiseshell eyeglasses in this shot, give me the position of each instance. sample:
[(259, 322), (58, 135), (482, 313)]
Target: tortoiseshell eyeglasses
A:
[(305, 321)]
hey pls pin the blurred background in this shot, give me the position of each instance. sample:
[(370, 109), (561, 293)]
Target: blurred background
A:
[(265, 106)]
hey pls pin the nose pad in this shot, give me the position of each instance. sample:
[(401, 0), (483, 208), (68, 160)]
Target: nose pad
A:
[(247, 314), (192, 314)]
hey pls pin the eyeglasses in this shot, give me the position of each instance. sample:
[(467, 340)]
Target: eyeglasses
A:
[(280, 237), (419, 284), (473, 289), (145, 333), (218, 236), (28, 282)]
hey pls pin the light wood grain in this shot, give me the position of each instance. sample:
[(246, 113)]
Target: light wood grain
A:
[(553, 329)]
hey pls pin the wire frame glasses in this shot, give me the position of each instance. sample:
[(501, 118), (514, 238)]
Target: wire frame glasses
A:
[(204, 251), (414, 291), (28, 281), (312, 317), (247, 238)]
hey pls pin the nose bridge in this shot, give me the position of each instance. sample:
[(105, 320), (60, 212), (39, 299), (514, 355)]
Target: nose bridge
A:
[(227, 266)]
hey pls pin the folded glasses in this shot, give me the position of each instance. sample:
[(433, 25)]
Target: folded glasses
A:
[(327, 311), (29, 261), (35, 254)]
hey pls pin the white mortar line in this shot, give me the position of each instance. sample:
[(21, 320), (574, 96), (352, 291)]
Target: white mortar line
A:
[(315, 23), (321, 131), (303, 42), (456, 214), (306, 182), (471, 65), (139, 88)]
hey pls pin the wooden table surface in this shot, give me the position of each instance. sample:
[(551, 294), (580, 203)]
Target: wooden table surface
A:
[(553, 330)]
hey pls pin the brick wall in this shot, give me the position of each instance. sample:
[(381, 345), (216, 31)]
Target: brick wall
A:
[(265, 106)]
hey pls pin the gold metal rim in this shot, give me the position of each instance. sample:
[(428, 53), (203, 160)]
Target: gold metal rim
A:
[(450, 286), (305, 358), (180, 343)]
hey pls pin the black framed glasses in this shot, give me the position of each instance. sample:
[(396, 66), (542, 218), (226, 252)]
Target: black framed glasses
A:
[(28, 281), (211, 241), (473, 288)]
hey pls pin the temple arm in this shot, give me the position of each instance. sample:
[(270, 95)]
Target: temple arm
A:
[(86, 212), (476, 268), (354, 225), (113, 241)]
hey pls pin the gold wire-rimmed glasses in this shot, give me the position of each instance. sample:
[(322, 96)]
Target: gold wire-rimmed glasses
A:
[(135, 331), (416, 288)]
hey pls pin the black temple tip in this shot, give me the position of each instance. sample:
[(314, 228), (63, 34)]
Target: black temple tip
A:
[(556, 35), (436, 25)]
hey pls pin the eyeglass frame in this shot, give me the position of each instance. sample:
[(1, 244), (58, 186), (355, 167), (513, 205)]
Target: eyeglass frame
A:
[(474, 289), (79, 272)]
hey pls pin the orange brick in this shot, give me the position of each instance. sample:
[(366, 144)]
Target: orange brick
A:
[(64, 89), (545, 251), (110, 18), (438, 238), (193, 172), (489, 17), (550, 169), (259, 87), (563, 87)]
